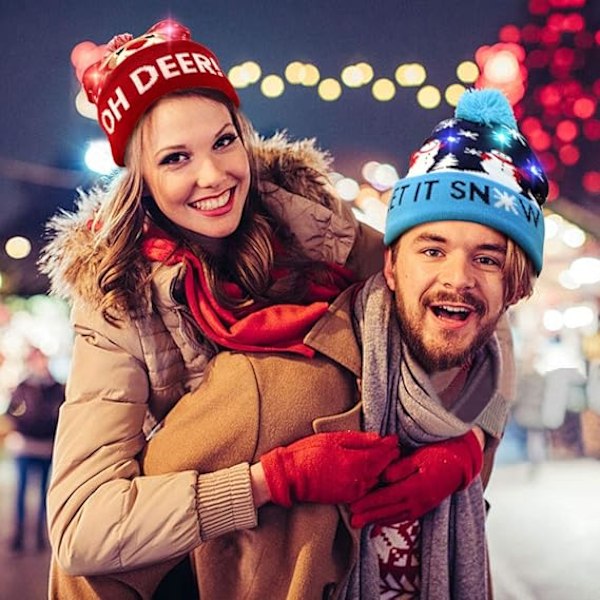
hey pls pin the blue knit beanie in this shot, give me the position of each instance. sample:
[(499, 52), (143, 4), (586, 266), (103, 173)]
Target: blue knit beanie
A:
[(475, 167)]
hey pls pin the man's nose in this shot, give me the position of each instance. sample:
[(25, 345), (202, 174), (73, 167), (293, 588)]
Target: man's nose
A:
[(458, 272)]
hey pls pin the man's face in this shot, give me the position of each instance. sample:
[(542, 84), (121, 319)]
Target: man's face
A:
[(449, 291)]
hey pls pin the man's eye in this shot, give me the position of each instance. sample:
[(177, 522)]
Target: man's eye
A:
[(489, 261), (226, 140), (433, 252)]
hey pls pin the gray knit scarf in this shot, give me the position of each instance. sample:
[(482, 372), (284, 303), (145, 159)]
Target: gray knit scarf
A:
[(453, 550)]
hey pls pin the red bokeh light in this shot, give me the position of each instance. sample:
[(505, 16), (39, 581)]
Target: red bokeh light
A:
[(550, 95), (584, 39), (569, 155), (567, 131), (548, 161), (591, 182), (567, 3), (540, 140), (530, 125), (584, 108), (538, 7), (549, 37), (563, 58), (553, 190), (537, 59), (530, 34), (510, 33), (591, 129)]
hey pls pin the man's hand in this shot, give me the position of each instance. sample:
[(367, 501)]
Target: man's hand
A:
[(417, 483)]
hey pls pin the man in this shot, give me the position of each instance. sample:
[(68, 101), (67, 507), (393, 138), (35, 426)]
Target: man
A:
[(463, 245), (465, 239)]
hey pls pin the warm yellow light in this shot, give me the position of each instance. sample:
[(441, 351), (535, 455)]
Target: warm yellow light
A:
[(384, 90), (453, 93), (329, 89), (352, 76), (294, 72), (236, 76), (467, 71), (252, 71), (272, 86), (429, 97), (311, 75), (410, 75), (367, 72), (17, 247)]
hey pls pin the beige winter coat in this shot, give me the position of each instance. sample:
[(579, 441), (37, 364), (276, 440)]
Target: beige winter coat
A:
[(103, 516), (303, 553)]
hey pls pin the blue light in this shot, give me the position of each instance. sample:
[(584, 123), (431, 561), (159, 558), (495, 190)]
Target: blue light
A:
[(502, 138)]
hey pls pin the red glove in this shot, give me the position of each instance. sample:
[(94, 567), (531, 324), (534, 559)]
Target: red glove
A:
[(330, 468), (419, 482)]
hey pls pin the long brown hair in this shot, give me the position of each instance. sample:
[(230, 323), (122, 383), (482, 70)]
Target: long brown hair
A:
[(248, 258)]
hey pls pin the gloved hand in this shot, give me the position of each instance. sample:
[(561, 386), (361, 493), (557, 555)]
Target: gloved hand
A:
[(329, 468), (419, 482)]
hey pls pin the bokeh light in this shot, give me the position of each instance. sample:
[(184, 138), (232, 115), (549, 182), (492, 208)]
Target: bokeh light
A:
[(18, 247)]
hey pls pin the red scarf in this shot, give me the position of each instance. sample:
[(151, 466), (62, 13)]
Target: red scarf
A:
[(264, 328)]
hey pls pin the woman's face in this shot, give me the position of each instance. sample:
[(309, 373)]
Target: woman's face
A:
[(195, 165)]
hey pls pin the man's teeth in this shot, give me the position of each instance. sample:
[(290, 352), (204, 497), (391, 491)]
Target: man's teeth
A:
[(454, 309), (452, 312), (212, 203)]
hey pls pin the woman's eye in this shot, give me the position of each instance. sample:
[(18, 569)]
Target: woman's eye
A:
[(225, 140), (173, 158)]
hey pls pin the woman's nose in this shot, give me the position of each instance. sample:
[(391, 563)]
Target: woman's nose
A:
[(209, 174)]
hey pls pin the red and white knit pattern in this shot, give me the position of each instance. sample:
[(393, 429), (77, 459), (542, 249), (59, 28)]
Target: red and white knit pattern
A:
[(398, 549)]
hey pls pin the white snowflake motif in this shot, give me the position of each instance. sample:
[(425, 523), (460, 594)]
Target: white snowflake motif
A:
[(467, 133), (515, 134), (472, 151), (505, 200), (446, 124)]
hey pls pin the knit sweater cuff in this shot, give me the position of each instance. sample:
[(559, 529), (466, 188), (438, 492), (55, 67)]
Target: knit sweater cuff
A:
[(224, 501)]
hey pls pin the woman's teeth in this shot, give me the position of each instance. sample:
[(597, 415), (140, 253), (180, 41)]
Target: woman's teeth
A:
[(212, 203)]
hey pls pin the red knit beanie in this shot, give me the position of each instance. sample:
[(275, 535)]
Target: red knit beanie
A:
[(135, 72)]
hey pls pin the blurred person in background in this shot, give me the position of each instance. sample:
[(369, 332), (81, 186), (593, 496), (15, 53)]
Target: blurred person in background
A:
[(33, 411)]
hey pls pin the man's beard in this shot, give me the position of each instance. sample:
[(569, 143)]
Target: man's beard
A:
[(444, 355)]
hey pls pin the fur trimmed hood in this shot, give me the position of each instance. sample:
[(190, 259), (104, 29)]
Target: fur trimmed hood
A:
[(72, 257)]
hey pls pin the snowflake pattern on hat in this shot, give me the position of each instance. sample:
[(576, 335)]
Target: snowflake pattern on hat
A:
[(498, 152), (475, 167)]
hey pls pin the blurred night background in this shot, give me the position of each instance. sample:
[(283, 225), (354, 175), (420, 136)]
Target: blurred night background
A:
[(368, 81)]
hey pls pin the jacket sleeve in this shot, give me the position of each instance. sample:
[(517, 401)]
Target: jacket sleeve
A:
[(103, 515)]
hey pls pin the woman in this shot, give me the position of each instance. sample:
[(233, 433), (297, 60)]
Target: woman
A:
[(210, 238)]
